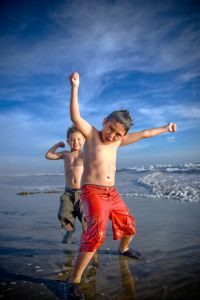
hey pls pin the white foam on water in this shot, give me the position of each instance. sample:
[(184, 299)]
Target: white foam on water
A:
[(178, 187)]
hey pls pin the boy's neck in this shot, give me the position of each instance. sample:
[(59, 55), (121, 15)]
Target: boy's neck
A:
[(71, 150)]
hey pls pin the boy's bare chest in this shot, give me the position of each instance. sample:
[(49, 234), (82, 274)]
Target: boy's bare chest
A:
[(73, 160), (105, 152)]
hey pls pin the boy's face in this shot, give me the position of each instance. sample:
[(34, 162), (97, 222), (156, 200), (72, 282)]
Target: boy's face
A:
[(112, 131), (76, 141)]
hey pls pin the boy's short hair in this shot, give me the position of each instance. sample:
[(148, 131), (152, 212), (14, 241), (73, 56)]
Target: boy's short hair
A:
[(123, 117), (71, 130)]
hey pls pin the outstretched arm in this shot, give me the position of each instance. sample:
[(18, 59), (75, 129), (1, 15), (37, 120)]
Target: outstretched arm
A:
[(136, 136), (82, 125), (51, 153)]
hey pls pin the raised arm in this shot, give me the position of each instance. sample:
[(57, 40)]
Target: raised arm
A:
[(82, 125), (52, 154), (136, 136)]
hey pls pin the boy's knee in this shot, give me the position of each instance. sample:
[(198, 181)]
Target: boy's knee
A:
[(84, 224), (100, 239), (65, 221), (90, 243)]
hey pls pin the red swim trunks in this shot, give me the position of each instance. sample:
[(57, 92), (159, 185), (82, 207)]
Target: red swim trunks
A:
[(101, 204)]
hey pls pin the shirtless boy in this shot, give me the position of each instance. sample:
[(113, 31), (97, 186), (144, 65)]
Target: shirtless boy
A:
[(70, 207), (99, 197)]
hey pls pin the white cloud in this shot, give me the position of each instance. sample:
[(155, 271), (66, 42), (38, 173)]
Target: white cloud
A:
[(188, 115), (103, 41), (188, 75), (100, 38)]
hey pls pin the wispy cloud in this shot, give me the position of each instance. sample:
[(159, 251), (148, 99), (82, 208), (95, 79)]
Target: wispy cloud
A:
[(186, 115), (98, 38), (140, 55)]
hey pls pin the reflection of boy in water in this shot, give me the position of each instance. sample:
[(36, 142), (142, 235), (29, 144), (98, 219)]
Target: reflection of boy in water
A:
[(70, 206), (128, 283)]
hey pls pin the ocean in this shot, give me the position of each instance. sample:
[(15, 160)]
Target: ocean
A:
[(178, 182), (34, 264)]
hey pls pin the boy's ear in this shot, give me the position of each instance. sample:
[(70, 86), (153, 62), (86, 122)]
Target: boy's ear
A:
[(104, 121)]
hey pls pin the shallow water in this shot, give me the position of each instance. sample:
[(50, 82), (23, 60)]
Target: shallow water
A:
[(35, 264)]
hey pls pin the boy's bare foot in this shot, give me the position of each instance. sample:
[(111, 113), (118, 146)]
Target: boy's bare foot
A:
[(73, 291)]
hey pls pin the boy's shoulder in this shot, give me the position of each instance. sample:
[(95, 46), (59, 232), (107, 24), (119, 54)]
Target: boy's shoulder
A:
[(72, 153), (66, 153)]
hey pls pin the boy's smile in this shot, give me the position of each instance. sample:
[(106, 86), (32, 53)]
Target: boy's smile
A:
[(76, 141), (112, 131)]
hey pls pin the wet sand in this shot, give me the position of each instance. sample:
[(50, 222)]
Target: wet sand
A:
[(34, 263)]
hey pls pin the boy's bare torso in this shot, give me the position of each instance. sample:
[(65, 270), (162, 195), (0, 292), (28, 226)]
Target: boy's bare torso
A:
[(101, 147), (99, 161), (73, 166)]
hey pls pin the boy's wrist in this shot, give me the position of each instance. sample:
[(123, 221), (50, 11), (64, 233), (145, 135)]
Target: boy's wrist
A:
[(167, 128), (74, 87)]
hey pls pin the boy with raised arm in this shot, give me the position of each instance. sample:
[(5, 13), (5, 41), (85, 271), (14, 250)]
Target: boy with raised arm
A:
[(99, 197), (70, 206)]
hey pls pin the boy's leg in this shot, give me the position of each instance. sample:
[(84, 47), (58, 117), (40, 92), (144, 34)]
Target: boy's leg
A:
[(78, 211), (123, 224), (78, 208), (125, 250), (124, 243), (131, 253), (97, 210), (95, 261), (67, 235), (82, 260), (66, 217), (68, 227)]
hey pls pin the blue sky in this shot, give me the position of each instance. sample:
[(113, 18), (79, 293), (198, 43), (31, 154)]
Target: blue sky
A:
[(139, 55)]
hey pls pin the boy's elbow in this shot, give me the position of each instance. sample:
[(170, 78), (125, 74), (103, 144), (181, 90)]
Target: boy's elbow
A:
[(46, 156), (76, 121), (74, 118), (74, 113), (144, 134)]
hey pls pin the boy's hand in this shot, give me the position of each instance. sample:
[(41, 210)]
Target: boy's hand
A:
[(171, 127), (74, 79), (61, 144)]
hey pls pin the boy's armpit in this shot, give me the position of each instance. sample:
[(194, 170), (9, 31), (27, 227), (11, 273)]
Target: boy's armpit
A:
[(131, 138)]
